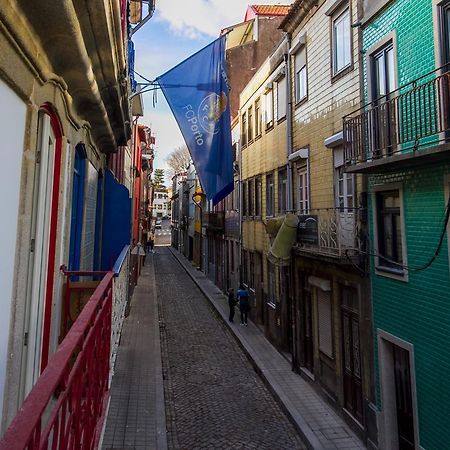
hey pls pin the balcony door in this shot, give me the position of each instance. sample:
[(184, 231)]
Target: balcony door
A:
[(445, 62), (383, 115), (351, 353), (345, 201), (43, 243)]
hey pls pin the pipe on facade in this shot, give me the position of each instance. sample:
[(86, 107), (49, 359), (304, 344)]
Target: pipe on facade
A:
[(287, 62)]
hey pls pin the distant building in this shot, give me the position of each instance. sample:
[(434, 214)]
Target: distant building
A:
[(161, 207)]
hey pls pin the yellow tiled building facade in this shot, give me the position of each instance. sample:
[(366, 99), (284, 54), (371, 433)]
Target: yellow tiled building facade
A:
[(318, 308)]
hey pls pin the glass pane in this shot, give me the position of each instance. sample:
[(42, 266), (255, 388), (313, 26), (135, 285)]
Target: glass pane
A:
[(388, 236), (380, 88), (342, 44), (390, 67), (398, 231)]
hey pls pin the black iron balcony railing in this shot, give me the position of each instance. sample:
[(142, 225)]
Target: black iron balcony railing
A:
[(414, 117)]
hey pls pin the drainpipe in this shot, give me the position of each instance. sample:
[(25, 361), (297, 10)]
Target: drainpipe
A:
[(287, 63), (238, 148)]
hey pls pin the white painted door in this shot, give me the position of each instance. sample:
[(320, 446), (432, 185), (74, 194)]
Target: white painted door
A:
[(41, 239)]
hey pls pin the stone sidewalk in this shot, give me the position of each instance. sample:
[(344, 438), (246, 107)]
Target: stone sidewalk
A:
[(319, 425), (136, 417)]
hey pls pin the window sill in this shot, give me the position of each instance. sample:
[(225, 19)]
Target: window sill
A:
[(258, 137), (281, 120), (342, 73), (271, 305), (243, 146), (389, 272), (301, 102), (250, 142), (269, 127)]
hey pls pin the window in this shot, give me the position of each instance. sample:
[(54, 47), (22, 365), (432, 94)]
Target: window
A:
[(302, 190), (268, 108), (257, 117), (282, 191), (383, 69), (244, 198), (445, 33), (301, 80), (160, 207), (383, 132), (281, 98), (251, 198), (345, 190), (389, 230), (258, 190), (269, 195), (244, 129), (250, 124), (341, 41)]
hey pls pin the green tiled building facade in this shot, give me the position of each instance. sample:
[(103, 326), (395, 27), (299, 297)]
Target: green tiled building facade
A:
[(404, 150)]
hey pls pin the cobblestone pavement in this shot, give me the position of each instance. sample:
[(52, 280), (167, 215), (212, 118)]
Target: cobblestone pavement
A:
[(214, 399)]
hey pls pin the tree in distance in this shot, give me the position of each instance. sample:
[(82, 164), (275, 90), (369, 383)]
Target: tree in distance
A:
[(158, 176), (178, 159)]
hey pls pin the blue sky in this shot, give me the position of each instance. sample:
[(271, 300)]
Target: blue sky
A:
[(178, 29)]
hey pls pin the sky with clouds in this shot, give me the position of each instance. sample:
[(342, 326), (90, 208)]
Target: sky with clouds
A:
[(178, 29)]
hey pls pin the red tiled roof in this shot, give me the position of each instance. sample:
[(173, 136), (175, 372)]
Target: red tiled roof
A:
[(266, 10), (271, 10)]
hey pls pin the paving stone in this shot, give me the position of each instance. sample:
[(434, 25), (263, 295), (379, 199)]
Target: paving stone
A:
[(214, 398)]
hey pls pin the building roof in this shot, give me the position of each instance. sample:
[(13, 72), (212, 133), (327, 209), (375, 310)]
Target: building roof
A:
[(266, 10)]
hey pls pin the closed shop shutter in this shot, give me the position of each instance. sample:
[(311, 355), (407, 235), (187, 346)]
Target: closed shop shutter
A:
[(325, 322)]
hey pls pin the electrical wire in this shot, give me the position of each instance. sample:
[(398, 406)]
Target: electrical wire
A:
[(430, 261)]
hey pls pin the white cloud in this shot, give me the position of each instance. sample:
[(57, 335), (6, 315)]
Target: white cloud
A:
[(195, 17), (167, 135)]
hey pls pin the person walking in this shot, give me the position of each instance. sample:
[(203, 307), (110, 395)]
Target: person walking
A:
[(231, 303), (151, 242), (244, 303)]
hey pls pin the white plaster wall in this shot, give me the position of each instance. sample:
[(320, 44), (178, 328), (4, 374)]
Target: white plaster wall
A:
[(12, 130)]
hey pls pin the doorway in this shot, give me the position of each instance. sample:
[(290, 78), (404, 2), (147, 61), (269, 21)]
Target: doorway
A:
[(307, 337), (351, 353), (398, 390)]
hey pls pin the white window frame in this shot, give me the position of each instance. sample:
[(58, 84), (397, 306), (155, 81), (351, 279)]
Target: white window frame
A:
[(382, 270), (340, 175), (388, 425), (302, 204), (281, 99), (268, 108), (341, 15), (301, 89)]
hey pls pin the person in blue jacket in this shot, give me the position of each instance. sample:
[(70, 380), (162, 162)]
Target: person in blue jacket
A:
[(244, 303)]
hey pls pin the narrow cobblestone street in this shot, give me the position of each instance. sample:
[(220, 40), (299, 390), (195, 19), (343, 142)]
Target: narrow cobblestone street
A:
[(214, 399)]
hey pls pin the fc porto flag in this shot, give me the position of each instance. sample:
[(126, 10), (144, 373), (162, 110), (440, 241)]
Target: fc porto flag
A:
[(197, 93)]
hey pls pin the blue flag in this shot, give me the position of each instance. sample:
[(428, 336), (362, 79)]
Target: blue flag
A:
[(197, 93)]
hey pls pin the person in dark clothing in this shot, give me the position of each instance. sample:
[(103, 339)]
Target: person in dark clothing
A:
[(244, 303), (231, 303)]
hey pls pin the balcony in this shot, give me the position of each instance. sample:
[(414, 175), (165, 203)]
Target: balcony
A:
[(401, 128), (330, 232), (214, 221), (66, 407)]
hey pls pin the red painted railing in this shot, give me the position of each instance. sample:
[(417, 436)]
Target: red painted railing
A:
[(64, 410)]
